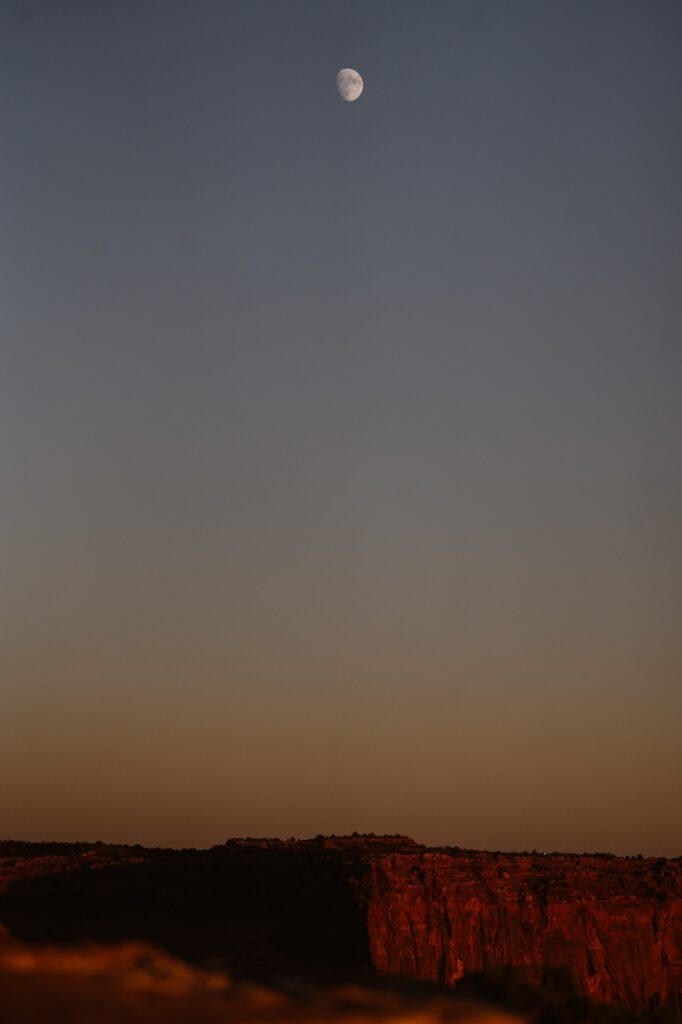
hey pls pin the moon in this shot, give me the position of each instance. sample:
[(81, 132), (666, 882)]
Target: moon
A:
[(349, 84)]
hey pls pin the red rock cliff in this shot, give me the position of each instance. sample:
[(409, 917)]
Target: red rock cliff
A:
[(350, 904), (616, 923)]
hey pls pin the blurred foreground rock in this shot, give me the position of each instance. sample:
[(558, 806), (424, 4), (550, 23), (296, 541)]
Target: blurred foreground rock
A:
[(137, 984)]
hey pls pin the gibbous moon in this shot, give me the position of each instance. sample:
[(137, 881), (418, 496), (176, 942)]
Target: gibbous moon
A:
[(349, 84)]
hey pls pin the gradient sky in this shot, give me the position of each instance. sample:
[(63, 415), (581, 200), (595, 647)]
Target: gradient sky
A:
[(340, 443)]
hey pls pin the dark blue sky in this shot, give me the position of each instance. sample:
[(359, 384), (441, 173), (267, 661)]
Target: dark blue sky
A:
[(340, 443)]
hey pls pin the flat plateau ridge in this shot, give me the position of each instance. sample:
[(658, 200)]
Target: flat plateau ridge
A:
[(360, 905)]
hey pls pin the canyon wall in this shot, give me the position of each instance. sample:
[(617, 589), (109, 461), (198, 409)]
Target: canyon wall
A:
[(615, 923), (349, 906)]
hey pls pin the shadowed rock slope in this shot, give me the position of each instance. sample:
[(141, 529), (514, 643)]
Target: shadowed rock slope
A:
[(345, 906)]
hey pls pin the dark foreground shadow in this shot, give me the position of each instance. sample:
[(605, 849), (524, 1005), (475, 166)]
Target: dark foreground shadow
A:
[(253, 912)]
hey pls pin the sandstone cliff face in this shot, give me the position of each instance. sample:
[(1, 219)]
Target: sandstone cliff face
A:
[(616, 923)]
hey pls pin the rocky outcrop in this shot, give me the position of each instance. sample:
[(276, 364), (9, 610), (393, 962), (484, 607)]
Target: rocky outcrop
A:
[(352, 905)]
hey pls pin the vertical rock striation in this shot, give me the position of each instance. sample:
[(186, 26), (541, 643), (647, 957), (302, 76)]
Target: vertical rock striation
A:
[(615, 923)]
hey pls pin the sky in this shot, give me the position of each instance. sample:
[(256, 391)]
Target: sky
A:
[(340, 442)]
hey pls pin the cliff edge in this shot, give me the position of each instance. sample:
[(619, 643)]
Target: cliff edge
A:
[(360, 905)]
